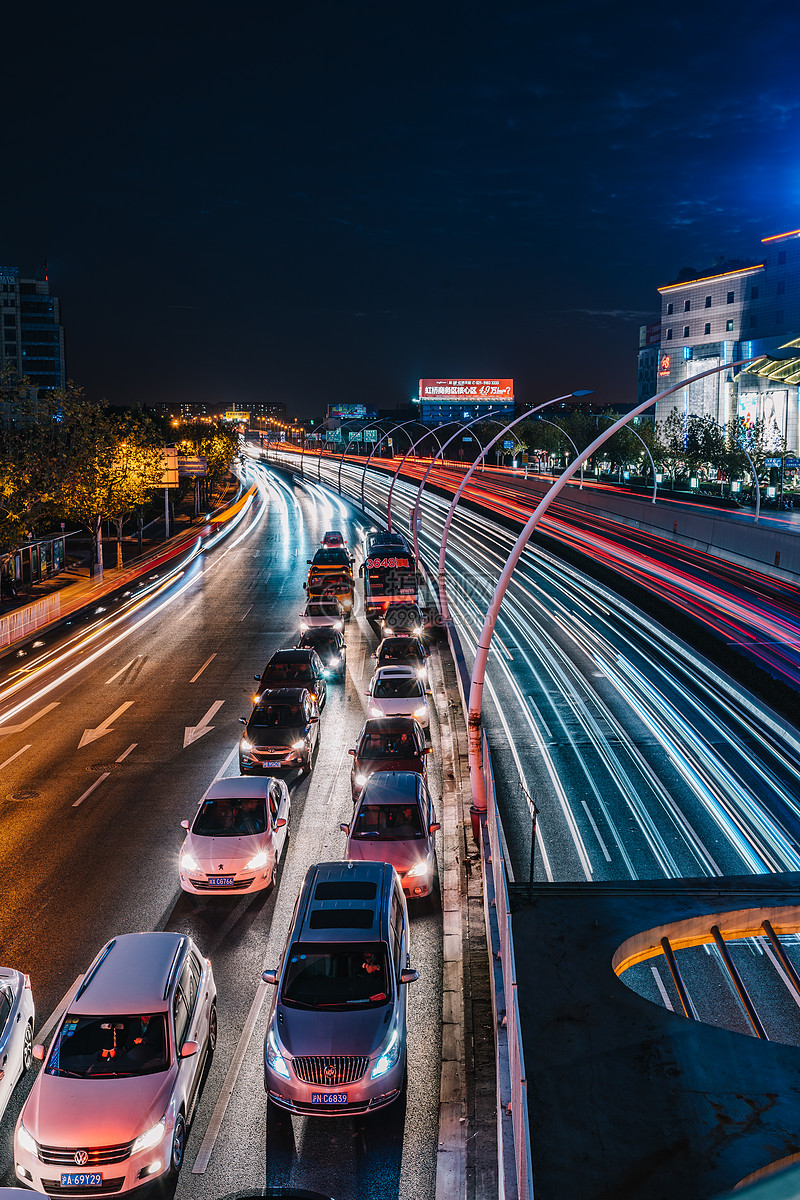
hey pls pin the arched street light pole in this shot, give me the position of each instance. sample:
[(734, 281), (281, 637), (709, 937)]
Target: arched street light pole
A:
[(399, 467), (343, 455), (351, 421), (477, 781), (569, 439), (754, 473), (431, 465), (444, 608), (647, 450), (402, 425)]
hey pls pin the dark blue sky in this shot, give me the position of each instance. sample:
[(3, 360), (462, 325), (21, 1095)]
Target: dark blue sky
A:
[(325, 201)]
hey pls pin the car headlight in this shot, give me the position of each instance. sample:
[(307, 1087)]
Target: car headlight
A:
[(335, 661), (389, 1057), (188, 863), (421, 672), (26, 1142), (375, 712), (301, 745), (245, 745), (419, 713), (303, 627), (151, 1138), (361, 780), (274, 1057), (337, 625), (260, 860), (418, 631), (421, 868)]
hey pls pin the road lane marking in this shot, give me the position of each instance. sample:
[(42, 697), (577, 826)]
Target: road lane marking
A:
[(125, 753), (224, 1099), (55, 1015), (193, 733), (89, 790), (19, 728), (205, 664), (597, 834), (91, 735), (244, 614), (13, 756), (659, 983), (122, 669)]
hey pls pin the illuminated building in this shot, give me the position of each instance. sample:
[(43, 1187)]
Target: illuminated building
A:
[(31, 334)]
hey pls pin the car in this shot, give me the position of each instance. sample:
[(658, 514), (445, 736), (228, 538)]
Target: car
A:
[(17, 1019), (331, 648), (331, 556), (402, 617), (108, 1112), (322, 614), (333, 538), (295, 668), (398, 692), (380, 537), (402, 649), (281, 733), (394, 821), (236, 838), (335, 1042), (388, 744)]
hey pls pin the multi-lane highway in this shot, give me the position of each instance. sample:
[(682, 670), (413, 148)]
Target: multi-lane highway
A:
[(110, 732)]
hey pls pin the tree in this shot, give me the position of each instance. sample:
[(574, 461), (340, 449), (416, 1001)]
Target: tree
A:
[(30, 460)]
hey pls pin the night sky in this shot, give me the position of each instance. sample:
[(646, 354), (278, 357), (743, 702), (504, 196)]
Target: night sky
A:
[(322, 202)]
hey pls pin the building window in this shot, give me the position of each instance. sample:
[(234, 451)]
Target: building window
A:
[(781, 286), (779, 317), (686, 331), (729, 326), (730, 298), (753, 322), (707, 328), (753, 293), (670, 309), (687, 304), (669, 335), (708, 302), (781, 257)]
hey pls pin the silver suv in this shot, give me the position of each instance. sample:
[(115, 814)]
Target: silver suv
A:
[(110, 1108), (336, 1034)]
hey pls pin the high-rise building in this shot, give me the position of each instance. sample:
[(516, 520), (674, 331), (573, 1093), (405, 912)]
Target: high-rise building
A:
[(31, 333), (728, 314)]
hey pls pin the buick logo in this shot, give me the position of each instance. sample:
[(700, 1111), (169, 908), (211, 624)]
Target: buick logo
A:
[(330, 1072), (81, 1158)]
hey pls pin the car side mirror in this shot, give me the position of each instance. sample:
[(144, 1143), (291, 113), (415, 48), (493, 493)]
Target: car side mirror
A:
[(242, 720), (434, 827), (345, 828), (409, 975), (184, 824), (188, 1049), (305, 587), (256, 677), (281, 821), (38, 1051), (308, 560), (352, 752), (270, 977), (313, 720)]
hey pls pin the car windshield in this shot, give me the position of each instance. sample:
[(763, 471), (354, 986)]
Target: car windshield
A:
[(387, 745), (277, 716), (340, 977), (331, 558), (400, 651), (397, 689), (233, 817), (329, 583), (324, 643), (391, 822), (323, 610), (89, 1047), (287, 672)]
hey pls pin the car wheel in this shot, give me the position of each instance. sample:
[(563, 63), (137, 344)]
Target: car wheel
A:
[(212, 1029), (27, 1047), (178, 1146)]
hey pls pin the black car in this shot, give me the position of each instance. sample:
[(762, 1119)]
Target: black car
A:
[(403, 650), (403, 617), (281, 733), (330, 646), (388, 744), (295, 668), (333, 556)]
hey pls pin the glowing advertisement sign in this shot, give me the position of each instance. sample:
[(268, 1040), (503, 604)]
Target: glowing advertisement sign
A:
[(748, 408), (443, 391), (664, 365)]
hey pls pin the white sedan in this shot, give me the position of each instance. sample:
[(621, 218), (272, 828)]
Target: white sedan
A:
[(237, 836), (322, 614), (398, 692), (17, 1017)]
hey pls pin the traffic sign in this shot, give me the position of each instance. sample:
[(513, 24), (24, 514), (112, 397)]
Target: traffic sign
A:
[(772, 462)]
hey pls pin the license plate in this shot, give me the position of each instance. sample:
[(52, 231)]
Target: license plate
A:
[(329, 1097), (220, 880), (272, 764), (81, 1181)]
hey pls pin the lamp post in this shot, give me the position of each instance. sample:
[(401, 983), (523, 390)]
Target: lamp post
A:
[(754, 473), (569, 439), (402, 425), (399, 467), (342, 456), (477, 781), (649, 455)]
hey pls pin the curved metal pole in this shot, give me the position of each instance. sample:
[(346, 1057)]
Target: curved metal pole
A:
[(485, 639), (351, 421), (431, 465), (399, 467), (443, 605), (755, 478), (343, 455), (649, 455), (402, 425), (569, 439)]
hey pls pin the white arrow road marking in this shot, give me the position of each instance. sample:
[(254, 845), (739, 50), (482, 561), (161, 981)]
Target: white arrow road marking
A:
[(193, 732), (91, 735), (19, 728)]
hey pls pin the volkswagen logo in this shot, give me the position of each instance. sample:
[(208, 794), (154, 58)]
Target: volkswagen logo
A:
[(81, 1158)]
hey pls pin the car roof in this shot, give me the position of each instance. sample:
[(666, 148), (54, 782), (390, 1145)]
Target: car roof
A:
[(293, 654), (281, 696), (392, 672), (389, 725), (392, 787), (130, 975), (237, 787), (342, 873)]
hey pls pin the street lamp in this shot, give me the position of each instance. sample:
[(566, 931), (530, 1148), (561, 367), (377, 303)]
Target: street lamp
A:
[(399, 467), (402, 425)]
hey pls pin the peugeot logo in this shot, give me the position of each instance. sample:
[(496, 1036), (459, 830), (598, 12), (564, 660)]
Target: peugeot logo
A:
[(81, 1158)]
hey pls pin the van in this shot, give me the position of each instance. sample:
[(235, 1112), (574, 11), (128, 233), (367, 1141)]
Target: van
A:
[(336, 1036)]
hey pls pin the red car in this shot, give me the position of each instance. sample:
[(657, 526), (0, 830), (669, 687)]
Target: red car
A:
[(388, 744), (333, 539)]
